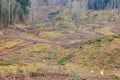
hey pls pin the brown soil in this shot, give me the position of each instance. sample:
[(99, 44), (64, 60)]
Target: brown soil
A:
[(52, 76), (116, 29), (36, 76)]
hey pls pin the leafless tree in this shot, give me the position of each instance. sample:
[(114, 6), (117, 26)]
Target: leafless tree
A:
[(79, 8), (9, 10)]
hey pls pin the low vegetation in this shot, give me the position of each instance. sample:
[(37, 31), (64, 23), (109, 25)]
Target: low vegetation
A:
[(77, 39)]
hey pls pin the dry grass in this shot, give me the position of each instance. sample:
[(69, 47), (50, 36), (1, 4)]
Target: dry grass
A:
[(87, 59), (106, 30)]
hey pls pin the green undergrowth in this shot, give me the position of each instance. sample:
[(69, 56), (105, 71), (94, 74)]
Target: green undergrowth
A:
[(65, 59)]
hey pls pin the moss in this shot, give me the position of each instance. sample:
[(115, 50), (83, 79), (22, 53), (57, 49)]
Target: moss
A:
[(19, 70), (116, 36), (98, 45), (65, 59), (98, 40), (91, 41), (78, 78), (40, 70), (110, 39), (5, 63), (85, 64), (66, 47), (54, 13), (94, 40)]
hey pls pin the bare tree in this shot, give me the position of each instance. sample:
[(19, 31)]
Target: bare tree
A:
[(8, 11), (118, 5), (79, 8)]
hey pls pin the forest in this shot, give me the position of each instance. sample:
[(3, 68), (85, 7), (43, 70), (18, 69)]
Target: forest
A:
[(59, 39), (17, 10)]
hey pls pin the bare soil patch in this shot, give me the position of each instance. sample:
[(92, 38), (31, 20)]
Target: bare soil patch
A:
[(36, 76), (116, 30)]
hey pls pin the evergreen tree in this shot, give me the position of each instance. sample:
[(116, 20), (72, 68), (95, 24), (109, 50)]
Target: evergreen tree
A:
[(24, 9), (11, 10)]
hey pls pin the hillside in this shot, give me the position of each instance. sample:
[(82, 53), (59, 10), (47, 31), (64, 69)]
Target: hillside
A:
[(63, 50), (59, 39)]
